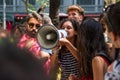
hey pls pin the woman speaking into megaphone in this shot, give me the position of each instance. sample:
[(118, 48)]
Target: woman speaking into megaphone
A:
[(66, 50)]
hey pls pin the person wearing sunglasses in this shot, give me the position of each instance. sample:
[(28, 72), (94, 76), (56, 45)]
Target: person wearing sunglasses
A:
[(29, 41), (112, 19)]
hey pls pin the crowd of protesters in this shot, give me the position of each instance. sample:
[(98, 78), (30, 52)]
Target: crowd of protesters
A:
[(91, 50)]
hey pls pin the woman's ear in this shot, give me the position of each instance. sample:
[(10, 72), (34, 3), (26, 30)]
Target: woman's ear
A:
[(115, 40), (112, 36)]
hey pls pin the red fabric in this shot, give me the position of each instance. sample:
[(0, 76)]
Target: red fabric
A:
[(35, 49), (108, 63), (9, 26), (87, 78)]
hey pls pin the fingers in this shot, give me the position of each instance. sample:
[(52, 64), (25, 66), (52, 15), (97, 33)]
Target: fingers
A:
[(72, 77), (56, 49), (29, 43), (62, 35)]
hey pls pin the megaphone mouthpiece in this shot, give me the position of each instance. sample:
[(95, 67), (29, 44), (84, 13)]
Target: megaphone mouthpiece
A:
[(62, 33)]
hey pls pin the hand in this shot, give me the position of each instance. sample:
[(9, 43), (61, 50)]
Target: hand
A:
[(72, 77), (29, 43), (56, 49), (43, 54), (63, 41)]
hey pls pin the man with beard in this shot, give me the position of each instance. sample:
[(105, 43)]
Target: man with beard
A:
[(28, 40)]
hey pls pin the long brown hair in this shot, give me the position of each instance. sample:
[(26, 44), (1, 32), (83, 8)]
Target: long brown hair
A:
[(90, 41)]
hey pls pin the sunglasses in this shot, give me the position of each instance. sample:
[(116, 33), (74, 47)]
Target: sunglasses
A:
[(31, 25)]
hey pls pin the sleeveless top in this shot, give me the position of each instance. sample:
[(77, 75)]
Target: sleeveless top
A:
[(105, 58)]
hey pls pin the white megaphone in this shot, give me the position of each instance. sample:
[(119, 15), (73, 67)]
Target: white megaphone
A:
[(48, 36)]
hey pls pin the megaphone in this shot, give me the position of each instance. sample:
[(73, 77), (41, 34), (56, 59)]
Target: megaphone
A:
[(48, 36)]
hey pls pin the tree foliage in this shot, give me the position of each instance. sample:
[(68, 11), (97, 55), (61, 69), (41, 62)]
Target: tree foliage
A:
[(117, 0), (53, 9), (30, 7)]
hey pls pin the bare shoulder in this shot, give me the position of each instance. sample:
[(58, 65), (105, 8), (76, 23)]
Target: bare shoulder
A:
[(97, 59), (98, 63)]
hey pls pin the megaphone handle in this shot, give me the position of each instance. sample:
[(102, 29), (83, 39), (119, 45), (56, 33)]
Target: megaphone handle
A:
[(56, 49)]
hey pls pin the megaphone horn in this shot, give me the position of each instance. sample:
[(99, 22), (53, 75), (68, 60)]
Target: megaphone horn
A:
[(48, 36)]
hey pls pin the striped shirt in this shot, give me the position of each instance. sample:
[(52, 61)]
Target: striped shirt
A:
[(69, 65)]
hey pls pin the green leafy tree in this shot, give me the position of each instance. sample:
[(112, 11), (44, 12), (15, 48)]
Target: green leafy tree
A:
[(26, 4), (43, 4), (29, 7), (54, 6), (117, 0)]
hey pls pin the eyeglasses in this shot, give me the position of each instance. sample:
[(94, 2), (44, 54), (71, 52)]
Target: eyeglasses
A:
[(31, 25)]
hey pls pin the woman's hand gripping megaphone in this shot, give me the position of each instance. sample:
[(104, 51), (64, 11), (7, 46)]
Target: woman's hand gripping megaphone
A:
[(62, 40)]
